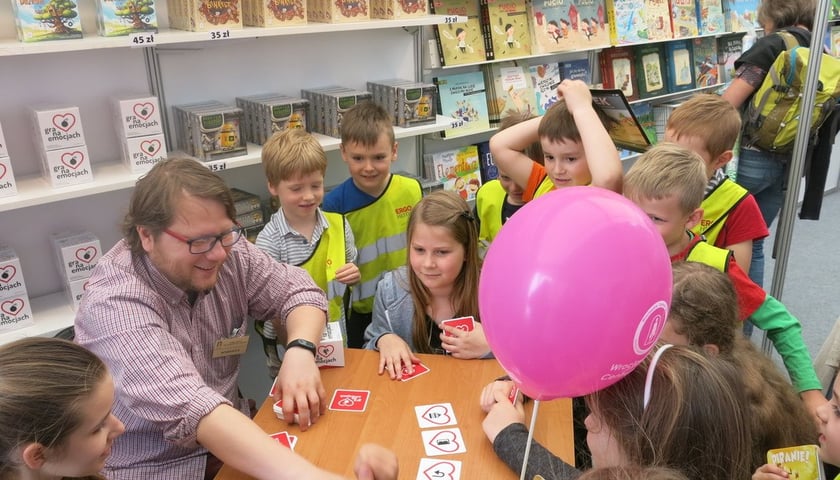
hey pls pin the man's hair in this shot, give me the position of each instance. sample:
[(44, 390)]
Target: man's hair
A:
[(292, 153), (156, 195), (558, 124), (786, 13), (668, 169), (708, 118), (365, 122)]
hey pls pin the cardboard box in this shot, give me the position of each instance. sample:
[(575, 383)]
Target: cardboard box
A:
[(15, 312), (138, 117), (75, 290), (58, 127), (77, 253), (394, 9), (116, 18), (140, 154), (330, 350), (11, 274), (273, 13), (4, 151), (8, 185), (29, 29), (68, 166)]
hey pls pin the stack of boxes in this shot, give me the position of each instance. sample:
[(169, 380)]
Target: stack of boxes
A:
[(267, 114), (60, 20), (273, 13), (61, 141), (205, 15), (210, 130), (410, 103), (141, 132), (327, 107), (249, 212), (15, 311), (337, 11), (116, 18), (8, 186), (77, 253)]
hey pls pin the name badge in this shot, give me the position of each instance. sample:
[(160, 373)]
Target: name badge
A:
[(230, 346)]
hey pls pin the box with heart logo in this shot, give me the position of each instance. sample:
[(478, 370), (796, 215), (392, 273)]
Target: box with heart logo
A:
[(58, 127), (138, 116), (77, 252), (4, 152), (75, 290), (15, 312), (330, 350), (11, 275), (140, 154), (8, 186), (68, 166)]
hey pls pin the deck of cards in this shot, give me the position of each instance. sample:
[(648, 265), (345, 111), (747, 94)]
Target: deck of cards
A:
[(466, 324)]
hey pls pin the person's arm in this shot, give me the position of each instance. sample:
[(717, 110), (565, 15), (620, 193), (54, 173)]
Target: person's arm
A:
[(299, 380), (738, 92), (509, 446), (743, 253), (601, 153), (508, 149)]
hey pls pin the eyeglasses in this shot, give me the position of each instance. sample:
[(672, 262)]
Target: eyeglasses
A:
[(208, 242)]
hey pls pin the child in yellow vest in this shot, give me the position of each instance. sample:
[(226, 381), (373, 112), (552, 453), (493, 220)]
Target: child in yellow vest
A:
[(299, 233), (376, 202)]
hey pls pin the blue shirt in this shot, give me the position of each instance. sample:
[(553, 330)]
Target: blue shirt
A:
[(346, 198)]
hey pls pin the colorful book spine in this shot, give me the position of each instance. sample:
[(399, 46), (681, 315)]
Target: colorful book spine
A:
[(459, 43), (705, 62), (684, 18), (710, 18), (507, 27)]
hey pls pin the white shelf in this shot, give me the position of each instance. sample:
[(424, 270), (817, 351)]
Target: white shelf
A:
[(34, 190), (51, 313), (672, 95), (171, 36)]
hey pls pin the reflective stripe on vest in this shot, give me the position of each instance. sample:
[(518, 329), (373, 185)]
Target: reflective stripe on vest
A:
[(716, 209), (330, 255), (379, 230), (488, 203), (545, 186), (710, 255)]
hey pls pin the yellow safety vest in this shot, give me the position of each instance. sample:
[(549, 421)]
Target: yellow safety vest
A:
[(489, 202), (329, 255), (716, 209), (379, 229), (710, 255), (545, 186)]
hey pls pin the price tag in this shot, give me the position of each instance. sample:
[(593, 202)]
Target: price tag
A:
[(141, 39), (219, 34), (456, 124), (450, 19), (217, 166)]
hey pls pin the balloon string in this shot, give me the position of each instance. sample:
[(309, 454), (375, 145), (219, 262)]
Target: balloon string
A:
[(530, 439)]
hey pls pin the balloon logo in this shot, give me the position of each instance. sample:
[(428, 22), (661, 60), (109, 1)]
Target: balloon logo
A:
[(574, 292)]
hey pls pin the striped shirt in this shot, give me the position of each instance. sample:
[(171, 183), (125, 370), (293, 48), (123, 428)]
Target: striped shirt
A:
[(159, 349)]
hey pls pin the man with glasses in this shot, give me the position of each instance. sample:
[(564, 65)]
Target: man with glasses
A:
[(166, 309)]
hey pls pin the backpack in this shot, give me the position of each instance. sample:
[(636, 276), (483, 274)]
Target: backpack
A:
[(772, 115)]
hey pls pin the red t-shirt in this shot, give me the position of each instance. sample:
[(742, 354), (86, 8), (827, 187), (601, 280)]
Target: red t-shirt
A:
[(743, 223)]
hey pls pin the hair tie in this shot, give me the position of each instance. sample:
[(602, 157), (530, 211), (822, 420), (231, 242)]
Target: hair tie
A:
[(650, 370)]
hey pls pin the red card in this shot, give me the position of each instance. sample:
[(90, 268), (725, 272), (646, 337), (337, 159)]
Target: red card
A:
[(419, 369), (283, 438), (349, 400), (513, 394), (466, 324)]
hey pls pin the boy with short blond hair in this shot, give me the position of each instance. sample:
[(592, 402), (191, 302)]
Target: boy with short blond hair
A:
[(576, 146), (667, 183), (709, 125), (375, 202), (299, 233)]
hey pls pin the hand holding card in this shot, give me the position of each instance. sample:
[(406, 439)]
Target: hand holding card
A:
[(394, 356), (466, 324)]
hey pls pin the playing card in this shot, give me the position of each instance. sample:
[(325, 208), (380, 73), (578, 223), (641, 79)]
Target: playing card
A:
[(278, 410), (293, 441), (443, 442), (513, 394), (431, 469), (284, 439), (350, 400), (273, 388), (435, 415), (466, 324), (419, 369)]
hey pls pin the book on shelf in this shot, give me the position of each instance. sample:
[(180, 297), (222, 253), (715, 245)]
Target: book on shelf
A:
[(644, 114), (458, 170), (625, 130), (729, 48), (710, 18), (459, 43), (618, 70), (705, 61), (566, 25), (506, 27), (801, 462), (650, 70), (683, 18), (740, 15), (576, 69), (486, 166), (509, 89), (626, 22), (657, 14), (834, 10), (545, 77), (678, 58), (834, 40), (463, 100)]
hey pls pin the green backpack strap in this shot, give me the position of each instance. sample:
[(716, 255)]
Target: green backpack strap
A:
[(790, 41)]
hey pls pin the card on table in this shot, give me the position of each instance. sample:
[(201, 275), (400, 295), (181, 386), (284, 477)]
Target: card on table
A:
[(431, 469), (349, 400), (466, 324), (288, 441), (435, 415), (419, 369), (443, 442)]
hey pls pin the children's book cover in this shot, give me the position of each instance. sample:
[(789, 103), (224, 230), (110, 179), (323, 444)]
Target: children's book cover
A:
[(509, 89), (657, 15), (463, 100), (710, 18), (644, 114), (684, 18), (124, 17), (459, 43), (563, 25), (625, 130), (487, 167), (801, 462), (577, 69), (626, 21), (40, 20), (618, 70), (729, 49), (507, 27), (705, 61), (678, 58), (740, 15), (650, 72), (545, 77), (458, 170)]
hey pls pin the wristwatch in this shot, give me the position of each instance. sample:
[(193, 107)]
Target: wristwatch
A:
[(301, 343)]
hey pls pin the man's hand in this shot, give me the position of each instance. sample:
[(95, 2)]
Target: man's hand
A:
[(300, 388), (376, 463)]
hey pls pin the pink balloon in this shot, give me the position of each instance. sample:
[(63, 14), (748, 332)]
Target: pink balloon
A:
[(574, 292)]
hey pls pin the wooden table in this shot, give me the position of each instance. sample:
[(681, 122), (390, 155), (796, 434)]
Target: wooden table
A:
[(390, 419)]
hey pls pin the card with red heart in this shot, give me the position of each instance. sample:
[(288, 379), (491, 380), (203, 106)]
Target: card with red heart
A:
[(435, 416), (349, 400), (466, 324), (419, 369), (443, 442), (284, 439), (432, 469)]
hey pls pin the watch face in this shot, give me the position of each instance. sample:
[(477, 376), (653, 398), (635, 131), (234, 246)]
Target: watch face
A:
[(302, 344)]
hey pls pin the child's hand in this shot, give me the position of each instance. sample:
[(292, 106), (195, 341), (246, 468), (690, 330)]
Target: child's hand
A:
[(769, 472), (576, 94), (394, 354), (501, 414), (488, 394), (376, 463), (348, 274), (465, 345)]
